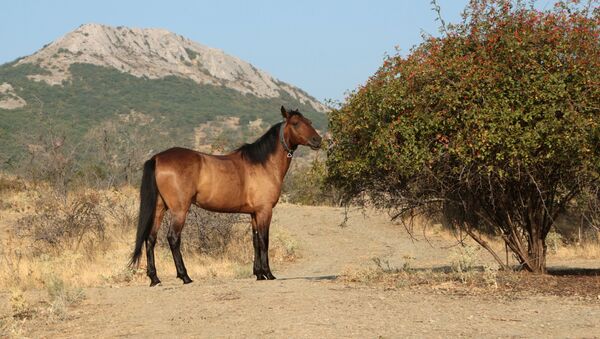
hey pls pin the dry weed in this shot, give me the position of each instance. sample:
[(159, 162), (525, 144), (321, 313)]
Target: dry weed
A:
[(86, 239), (61, 296)]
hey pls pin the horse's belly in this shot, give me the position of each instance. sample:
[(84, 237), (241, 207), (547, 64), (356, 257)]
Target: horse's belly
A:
[(217, 206), (225, 199), (240, 201)]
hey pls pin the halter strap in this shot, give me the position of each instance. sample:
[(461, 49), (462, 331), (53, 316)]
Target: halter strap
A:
[(290, 152)]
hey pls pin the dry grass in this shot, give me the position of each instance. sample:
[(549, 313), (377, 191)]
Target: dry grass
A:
[(442, 279), (477, 280), (71, 256), (586, 250), (471, 271), (558, 249), (84, 257)]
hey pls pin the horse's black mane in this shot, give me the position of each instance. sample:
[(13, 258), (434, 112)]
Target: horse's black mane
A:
[(259, 151)]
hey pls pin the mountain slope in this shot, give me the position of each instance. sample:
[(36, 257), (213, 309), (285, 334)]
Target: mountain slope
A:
[(157, 53), (98, 76)]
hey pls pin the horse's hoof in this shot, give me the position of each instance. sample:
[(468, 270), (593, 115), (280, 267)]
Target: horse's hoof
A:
[(187, 280), (260, 277), (154, 283), (270, 276)]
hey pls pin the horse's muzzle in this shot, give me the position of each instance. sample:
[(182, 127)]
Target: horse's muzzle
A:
[(315, 142)]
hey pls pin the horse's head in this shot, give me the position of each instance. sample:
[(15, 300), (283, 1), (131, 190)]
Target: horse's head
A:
[(299, 130)]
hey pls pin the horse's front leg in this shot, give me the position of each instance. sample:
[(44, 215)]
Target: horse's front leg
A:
[(261, 221), (256, 269)]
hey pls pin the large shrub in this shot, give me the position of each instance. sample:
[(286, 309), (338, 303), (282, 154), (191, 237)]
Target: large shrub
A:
[(495, 123)]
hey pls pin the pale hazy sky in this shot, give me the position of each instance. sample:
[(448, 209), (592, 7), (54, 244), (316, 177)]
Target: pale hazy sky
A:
[(324, 47)]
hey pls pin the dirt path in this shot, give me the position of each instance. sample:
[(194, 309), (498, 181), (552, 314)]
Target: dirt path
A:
[(306, 301)]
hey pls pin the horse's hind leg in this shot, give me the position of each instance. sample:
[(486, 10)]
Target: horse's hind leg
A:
[(151, 241), (174, 237)]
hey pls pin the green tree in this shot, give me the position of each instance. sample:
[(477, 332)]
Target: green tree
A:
[(495, 124)]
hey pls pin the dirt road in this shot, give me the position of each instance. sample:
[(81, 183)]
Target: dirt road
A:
[(307, 301)]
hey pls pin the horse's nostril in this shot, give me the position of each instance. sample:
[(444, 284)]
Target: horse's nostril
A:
[(315, 141)]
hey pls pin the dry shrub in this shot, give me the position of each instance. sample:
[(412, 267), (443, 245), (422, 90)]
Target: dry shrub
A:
[(11, 265), (19, 311), (61, 296), (71, 237), (120, 208), (54, 307), (283, 246), (212, 233), (85, 239), (11, 184), (64, 223), (20, 308), (226, 236), (9, 187), (464, 258)]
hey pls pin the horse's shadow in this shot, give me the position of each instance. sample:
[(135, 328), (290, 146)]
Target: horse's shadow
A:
[(311, 278)]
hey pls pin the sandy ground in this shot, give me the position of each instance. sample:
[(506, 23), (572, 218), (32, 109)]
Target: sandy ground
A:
[(308, 301)]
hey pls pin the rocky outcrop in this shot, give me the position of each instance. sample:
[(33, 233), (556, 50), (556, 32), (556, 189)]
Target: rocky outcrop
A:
[(8, 98), (156, 53)]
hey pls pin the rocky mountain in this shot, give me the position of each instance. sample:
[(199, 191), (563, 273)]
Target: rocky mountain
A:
[(157, 53), (96, 75)]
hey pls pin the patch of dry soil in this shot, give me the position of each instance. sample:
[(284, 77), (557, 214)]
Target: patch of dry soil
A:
[(307, 301)]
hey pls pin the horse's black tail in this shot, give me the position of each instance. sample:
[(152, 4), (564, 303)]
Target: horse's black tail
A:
[(148, 195)]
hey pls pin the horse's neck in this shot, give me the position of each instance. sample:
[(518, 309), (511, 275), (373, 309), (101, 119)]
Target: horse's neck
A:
[(280, 162)]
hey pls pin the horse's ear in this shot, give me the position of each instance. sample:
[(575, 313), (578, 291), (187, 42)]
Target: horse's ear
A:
[(284, 112)]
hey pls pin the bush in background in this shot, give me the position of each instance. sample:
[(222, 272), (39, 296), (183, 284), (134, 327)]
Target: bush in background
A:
[(59, 224), (495, 124)]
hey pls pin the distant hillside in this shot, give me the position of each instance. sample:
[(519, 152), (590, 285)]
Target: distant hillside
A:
[(97, 76)]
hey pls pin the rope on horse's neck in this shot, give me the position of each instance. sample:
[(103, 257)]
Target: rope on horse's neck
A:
[(290, 152)]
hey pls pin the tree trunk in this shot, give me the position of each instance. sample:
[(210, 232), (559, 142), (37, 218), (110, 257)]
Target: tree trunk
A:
[(533, 256), (537, 254)]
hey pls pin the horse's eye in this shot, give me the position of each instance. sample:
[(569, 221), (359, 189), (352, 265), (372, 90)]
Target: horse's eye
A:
[(295, 124)]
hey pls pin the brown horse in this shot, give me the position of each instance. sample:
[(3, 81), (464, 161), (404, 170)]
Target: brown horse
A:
[(246, 181)]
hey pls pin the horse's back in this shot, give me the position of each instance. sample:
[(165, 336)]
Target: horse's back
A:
[(178, 161), (177, 155)]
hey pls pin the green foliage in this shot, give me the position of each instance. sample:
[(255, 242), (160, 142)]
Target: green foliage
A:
[(496, 122), (95, 95), (191, 54)]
